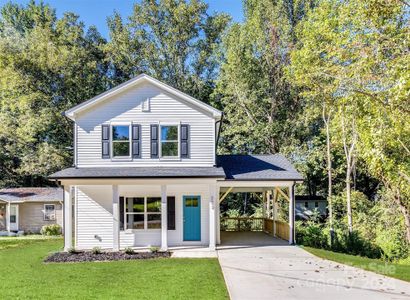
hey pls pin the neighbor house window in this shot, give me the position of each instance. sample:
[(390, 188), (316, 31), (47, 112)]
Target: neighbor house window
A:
[(169, 141), (316, 204), (49, 212), (306, 204), (142, 213), (121, 140)]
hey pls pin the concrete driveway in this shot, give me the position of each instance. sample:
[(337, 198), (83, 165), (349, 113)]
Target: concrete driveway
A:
[(257, 266)]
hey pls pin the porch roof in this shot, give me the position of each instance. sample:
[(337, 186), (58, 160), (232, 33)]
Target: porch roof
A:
[(30, 194), (229, 167), (139, 172), (258, 167)]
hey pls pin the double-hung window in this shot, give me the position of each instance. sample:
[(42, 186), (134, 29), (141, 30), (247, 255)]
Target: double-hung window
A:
[(49, 212), (142, 212), (121, 140), (169, 141)]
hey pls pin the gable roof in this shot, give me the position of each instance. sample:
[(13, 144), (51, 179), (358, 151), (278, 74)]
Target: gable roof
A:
[(31, 194), (130, 83), (258, 167)]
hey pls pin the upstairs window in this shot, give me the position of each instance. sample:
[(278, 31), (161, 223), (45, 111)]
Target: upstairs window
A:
[(169, 141), (120, 140)]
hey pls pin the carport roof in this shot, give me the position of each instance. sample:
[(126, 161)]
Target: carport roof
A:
[(258, 167), (229, 167)]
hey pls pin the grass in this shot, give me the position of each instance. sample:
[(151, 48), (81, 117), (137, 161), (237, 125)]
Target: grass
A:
[(24, 276), (399, 271)]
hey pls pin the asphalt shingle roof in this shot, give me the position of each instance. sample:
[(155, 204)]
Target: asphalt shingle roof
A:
[(139, 172), (230, 167), (257, 167), (31, 194)]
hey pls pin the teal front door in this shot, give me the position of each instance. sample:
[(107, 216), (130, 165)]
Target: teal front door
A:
[(192, 218)]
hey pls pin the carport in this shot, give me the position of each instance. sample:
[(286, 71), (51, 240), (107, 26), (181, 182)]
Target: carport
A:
[(271, 177)]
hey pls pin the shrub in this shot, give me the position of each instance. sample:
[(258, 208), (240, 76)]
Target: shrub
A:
[(129, 250), (154, 249), (96, 250), (49, 230)]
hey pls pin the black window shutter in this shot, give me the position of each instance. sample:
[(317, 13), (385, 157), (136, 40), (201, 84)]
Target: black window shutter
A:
[(136, 141), (171, 212), (184, 141), (105, 138), (121, 213), (154, 141)]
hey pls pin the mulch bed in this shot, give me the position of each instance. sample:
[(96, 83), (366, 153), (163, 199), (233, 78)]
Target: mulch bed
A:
[(86, 256)]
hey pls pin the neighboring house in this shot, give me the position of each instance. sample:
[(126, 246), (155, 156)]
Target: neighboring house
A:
[(307, 205), (146, 171), (28, 209)]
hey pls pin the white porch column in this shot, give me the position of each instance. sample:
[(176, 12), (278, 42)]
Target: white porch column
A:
[(212, 216), (68, 218), (115, 218), (8, 217), (218, 220), (292, 215), (164, 220)]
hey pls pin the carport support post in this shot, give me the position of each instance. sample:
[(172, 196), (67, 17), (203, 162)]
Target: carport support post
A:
[(68, 218), (292, 214), (274, 211), (212, 216), (164, 220), (116, 218)]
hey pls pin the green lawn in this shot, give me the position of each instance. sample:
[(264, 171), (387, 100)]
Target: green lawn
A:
[(23, 275), (399, 271)]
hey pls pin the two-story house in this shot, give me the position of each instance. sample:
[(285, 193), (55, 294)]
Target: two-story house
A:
[(146, 171)]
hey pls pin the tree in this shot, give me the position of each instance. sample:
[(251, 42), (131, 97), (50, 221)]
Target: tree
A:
[(252, 88), (46, 66), (175, 41), (357, 50)]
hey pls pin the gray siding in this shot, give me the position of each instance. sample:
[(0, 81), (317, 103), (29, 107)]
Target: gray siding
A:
[(31, 216)]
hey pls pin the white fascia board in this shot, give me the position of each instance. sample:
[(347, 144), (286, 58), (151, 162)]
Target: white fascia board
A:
[(124, 86)]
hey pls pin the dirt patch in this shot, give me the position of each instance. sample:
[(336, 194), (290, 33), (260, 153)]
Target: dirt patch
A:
[(86, 256)]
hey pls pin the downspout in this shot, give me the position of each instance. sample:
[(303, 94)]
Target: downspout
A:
[(218, 134), (293, 213), (63, 209)]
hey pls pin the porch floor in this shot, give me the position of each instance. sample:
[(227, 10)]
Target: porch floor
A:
[(248, 239)]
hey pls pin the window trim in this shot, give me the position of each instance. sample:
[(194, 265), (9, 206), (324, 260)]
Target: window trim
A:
[(145, 214), (129, 141), (178, 140), (53, 214)]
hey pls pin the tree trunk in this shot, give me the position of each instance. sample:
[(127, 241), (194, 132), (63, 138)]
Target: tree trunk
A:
[(326, 120), (348, 199), (406, 215)]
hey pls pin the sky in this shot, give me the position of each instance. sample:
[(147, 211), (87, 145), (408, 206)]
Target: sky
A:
[(95, 12)]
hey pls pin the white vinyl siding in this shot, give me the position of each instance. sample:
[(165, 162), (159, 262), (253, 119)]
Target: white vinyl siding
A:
[(94, 223), (164, 109)]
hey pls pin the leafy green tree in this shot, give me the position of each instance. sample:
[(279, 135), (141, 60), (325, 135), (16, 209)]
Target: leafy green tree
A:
[(257, 99), (356, 50), (46, 66), (173, 40)]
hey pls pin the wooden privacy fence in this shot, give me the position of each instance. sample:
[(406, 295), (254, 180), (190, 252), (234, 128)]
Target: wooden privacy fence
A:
[(241, 224), (256, 224), (282, 229)]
